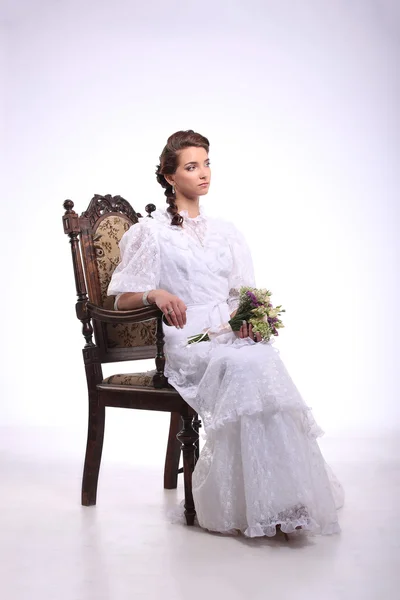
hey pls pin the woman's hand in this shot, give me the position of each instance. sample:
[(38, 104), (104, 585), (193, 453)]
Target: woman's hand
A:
[(174, 308), (246, 330)]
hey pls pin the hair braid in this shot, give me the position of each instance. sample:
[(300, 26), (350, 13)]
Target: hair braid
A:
[(172, 209)]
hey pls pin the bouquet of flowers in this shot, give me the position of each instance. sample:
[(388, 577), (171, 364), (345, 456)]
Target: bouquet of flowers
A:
[(256, 309)]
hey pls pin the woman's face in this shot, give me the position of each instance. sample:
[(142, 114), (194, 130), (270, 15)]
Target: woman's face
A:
[(193, 175)]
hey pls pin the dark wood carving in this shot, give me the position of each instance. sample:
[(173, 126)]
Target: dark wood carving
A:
[(96, 423), (188, 438), (159, 379), (137, 315), (149, 208), (90, 262), (101, 205), (172, 457), (160, 396), (72, 229)]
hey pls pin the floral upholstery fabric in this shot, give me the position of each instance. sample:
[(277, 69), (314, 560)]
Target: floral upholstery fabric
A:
[(106, 240), (144, 379)]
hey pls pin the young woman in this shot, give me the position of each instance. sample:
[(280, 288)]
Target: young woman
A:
[(261, 467)]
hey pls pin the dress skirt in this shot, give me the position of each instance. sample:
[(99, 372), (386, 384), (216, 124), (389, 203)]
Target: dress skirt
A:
[(261, 465)]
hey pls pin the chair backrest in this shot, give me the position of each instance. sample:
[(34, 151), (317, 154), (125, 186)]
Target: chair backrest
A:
[(99, 230)]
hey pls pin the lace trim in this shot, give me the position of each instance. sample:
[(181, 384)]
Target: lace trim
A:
[(294, 520), (195, 227), (200, 217)]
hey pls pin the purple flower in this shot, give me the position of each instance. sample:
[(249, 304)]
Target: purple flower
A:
[(253, 299)]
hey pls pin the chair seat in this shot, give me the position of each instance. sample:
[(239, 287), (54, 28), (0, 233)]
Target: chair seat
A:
[(144, 379)]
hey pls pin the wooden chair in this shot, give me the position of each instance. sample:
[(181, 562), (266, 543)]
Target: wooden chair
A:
[(119, 336)]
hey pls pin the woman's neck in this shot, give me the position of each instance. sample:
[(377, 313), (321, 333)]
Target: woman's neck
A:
[(192, 206)]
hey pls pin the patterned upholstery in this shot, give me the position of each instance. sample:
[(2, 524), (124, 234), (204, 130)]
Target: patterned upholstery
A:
[(106, 240), (145, 379)]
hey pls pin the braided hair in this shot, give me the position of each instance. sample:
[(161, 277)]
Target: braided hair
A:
[(169, 159)]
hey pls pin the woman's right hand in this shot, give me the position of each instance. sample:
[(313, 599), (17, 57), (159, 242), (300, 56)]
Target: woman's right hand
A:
[(246, 330), (174, 308)]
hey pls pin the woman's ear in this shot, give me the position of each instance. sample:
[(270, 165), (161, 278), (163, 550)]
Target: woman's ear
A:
[(169, 179)]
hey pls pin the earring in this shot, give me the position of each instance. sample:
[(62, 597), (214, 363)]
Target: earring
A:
[(173, 189)]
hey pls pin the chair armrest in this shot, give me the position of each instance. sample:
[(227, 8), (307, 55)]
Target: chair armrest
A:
[(116, 317)]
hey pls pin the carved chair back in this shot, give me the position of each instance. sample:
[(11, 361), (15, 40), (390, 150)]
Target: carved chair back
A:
[(95, 238)]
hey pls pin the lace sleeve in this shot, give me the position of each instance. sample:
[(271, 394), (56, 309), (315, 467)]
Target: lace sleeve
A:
[(242, 273), (139, 268)]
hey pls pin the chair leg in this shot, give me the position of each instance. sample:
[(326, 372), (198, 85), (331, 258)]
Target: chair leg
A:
[(94, 449), (173, 454), (196, 427), (188, 438)]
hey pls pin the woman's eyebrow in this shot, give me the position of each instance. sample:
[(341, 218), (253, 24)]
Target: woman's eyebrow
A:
[(193, 162)]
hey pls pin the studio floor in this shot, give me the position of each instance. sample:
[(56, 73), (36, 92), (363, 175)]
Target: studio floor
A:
[(51, 548)]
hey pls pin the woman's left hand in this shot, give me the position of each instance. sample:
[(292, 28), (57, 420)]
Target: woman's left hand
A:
[(246, 330)]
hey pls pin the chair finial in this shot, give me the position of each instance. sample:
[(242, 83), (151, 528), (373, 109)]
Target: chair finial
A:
[(149, 208), (68, 205)]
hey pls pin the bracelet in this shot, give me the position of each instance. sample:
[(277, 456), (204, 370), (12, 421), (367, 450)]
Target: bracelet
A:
[(144, 298), (117, 297)]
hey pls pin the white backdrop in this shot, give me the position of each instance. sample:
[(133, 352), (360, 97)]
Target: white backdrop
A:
[(300, 103)]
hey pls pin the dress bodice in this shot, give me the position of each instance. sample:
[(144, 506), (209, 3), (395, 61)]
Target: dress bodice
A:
[(206, 260)]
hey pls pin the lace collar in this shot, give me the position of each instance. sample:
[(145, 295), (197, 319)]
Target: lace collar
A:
[(163, 215), (200, 217)]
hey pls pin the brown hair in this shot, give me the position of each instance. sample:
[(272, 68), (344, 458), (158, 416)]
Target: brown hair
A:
[(169, 163)]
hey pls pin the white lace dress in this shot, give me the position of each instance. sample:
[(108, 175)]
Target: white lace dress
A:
[(261, 464)]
